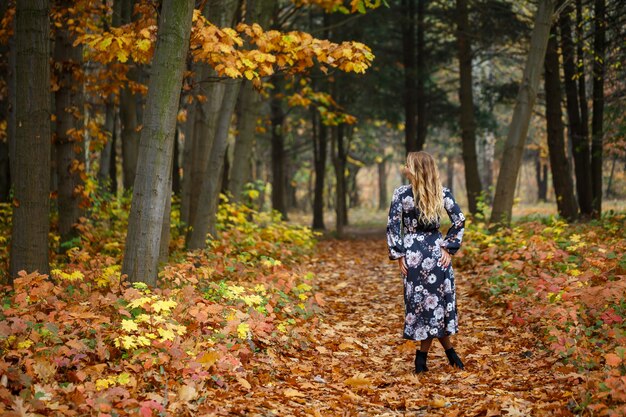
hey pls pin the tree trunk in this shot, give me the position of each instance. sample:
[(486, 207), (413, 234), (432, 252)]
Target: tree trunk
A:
[(354, 197), (108, 151), (225, 173), (176, 165), (152, 184), (113, 158), (518, 129), (5, 169), (541, 175), (580, 145), (582, 85), (240, 172), (290, 201), (466, 97), (249, 111), (12, 100), (450, 173), (31, 207), (128, 106), (345, 145), (487, 153), (339, 162), (70, 147), (164, 247), (130, 134), (408, 52), (5, 173), (422, 119), (206, 117), (278, 154), (609, 183), (383, 200), (597, 128), (185, 198), (207, 111), (320, 150), (559, 162), (208, 199)]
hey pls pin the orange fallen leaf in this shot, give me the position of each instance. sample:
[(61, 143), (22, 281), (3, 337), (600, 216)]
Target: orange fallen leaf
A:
[(438, 403), (358, 382), (612, 359), (290, 392)]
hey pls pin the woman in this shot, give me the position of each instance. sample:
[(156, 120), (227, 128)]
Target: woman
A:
[(424, 256)]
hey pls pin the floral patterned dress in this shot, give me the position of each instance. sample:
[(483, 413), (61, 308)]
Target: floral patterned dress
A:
[(429, 290)]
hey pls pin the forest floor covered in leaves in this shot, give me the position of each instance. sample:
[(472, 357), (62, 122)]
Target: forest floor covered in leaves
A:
[(356, 363), (267, 322)]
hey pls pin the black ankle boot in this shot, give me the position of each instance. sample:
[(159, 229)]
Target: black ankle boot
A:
[(454, 359), (420, 361)]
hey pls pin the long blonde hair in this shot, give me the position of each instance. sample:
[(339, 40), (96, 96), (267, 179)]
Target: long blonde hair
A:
[(422, 172)]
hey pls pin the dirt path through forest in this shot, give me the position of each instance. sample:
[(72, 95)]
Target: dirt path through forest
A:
[(356, 362)]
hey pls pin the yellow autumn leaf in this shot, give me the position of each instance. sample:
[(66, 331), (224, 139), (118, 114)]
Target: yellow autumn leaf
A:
[(242, 330), (123, 378), (164, 305), (166, 334), (129, 325), (143, 45), (143, 341), (232, 72), (122, 55), (102, 384), (209, 358), (139, 302), (25, 344)]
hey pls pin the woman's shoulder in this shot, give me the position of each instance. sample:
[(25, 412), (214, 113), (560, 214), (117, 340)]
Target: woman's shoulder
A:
[(399, 191)]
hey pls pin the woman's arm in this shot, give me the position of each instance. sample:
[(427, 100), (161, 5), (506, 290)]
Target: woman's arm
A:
[(454, 237), (394, 227)]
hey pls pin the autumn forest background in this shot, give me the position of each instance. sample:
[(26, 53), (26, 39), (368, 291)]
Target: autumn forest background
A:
[(193, 199)]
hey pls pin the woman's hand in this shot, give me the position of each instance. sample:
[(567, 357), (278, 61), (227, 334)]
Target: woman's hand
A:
[(446, 258), (403, 268)]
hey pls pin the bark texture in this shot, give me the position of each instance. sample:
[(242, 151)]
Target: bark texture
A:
[(409, 57), (518, 129), (249, 111), (209, 193), (69, 141), (340, 156), (152, 185), (5, 169), (241, 170), (108, 152), (597, 118), (577, 129), (278, 155), (382, 184), (211, 94), (30, 223), (466, 97), (421, 71), (559, 162), (320, 151)]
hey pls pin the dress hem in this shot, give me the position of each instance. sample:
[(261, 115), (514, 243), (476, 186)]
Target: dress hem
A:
[(430, 337)]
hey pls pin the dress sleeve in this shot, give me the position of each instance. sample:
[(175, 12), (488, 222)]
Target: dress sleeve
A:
[(394, 227), (452, 241)]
